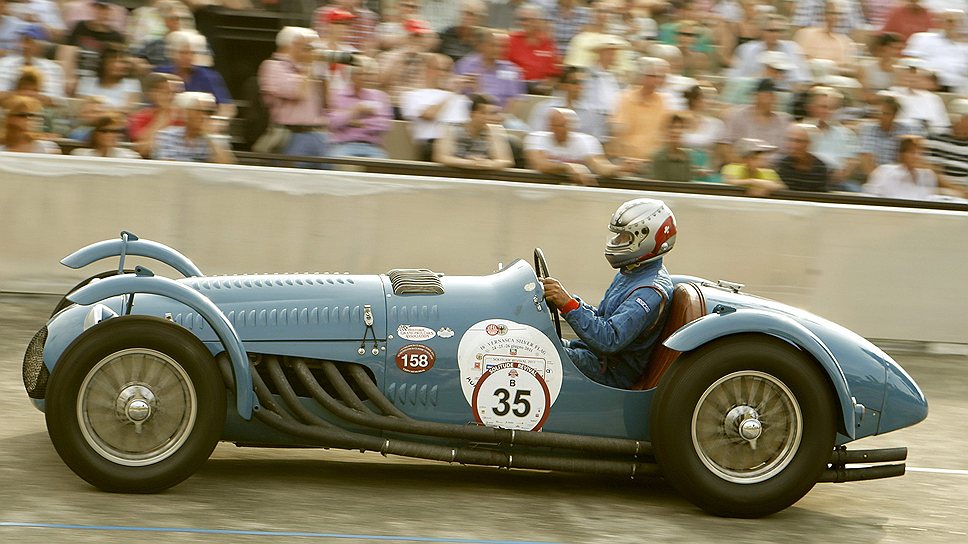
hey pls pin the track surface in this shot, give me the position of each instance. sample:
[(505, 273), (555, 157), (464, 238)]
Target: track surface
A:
[(256, 495)]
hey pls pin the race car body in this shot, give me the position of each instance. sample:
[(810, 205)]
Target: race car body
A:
[(744, 409)]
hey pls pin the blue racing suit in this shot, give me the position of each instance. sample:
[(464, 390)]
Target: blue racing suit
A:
[(616, 339)]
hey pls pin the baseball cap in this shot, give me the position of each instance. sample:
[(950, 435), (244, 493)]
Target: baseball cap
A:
[(778, 60), (609, 41), (339, 16), (416, 26), (748, 146)]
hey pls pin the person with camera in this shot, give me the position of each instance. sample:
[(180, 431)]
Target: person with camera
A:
[(295, 97)]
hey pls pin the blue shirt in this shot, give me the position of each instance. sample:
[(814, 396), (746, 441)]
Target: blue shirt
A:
[(203, 80), (621, 332), (502, 82)]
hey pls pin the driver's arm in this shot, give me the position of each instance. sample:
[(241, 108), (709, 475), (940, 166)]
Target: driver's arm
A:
[(613, 333)]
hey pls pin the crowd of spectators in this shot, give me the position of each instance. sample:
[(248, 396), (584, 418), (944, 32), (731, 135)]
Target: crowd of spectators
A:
[(804, 95)]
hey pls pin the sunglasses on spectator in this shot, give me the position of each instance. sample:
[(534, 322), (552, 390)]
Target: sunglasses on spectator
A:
[(27, 114), (111, 130), (691, 34)]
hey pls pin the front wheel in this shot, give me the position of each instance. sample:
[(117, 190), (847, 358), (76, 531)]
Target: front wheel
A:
[(744, 426), (135, 405)]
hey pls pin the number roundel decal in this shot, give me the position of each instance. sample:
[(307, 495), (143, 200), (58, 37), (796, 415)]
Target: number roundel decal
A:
[(511, 396), (415, 358)]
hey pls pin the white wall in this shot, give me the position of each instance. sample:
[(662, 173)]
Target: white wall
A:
[(883, 272)]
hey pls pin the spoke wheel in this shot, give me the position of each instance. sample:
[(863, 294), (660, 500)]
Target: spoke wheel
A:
[(744, 426), (135, 404), (136, 407)]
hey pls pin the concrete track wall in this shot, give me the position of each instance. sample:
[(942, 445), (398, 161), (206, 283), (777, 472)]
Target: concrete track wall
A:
[(884, 272)]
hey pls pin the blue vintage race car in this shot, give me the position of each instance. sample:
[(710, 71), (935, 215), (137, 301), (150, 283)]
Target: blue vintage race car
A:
[(744, 408)]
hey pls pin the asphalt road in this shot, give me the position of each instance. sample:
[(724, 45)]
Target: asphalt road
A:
[(256, 495)]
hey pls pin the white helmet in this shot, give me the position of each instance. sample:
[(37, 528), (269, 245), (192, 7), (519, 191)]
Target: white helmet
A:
[(645, 229)]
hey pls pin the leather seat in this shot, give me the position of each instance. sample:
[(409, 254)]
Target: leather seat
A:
[(688, 304)]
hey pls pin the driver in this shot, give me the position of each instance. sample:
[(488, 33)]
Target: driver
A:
[(616, 338)]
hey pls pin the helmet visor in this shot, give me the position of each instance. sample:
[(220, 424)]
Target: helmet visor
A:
[(620, 239)]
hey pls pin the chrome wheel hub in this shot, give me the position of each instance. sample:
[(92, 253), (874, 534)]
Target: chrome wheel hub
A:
[(747, 427), (135, 403), (136, 407)]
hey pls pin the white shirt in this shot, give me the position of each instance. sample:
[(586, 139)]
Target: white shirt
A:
[(115, 153), (576, 149), (944, 57), (599, 98), (895, 181), (708, 132), (415, 102), (52, 73), (114, 97), (748, 60), (920, 108), (675, 85), (43, 12)]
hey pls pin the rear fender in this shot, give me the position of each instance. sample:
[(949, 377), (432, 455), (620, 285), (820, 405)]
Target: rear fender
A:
[(713, 326), (141, 248), (131, 284)]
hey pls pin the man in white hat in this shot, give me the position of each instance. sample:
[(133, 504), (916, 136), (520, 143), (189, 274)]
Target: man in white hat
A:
[(834, 143), (944, 52), (748, 55), (742, 90), (641, 113), (602, 88)]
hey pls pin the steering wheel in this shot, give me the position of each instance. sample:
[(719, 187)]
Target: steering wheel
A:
[(541, 269)]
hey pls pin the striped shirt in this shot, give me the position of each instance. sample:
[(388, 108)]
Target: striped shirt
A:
[(950, 154)]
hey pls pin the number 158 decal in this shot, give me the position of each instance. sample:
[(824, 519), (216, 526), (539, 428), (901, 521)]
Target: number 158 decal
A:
[(511, 396)]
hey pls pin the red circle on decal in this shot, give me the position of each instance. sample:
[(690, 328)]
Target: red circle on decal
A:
[(415, 358)]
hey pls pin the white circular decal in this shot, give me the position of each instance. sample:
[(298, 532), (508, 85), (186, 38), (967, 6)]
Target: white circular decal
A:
[(511, 396), (493, 342)]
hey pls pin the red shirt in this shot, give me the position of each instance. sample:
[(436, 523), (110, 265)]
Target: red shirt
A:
[(906, 21), (537, 62)]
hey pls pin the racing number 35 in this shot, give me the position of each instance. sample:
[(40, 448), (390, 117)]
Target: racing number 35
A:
[(511, 396), (522, 407)]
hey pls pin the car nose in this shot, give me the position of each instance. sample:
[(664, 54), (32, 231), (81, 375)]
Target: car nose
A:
[(904, 402)]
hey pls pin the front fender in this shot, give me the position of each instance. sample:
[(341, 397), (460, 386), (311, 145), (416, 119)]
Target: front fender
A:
[(715, 325), (143, 248), (130, 284)]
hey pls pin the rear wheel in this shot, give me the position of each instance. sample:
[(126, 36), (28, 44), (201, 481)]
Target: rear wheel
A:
[(745, 426), (135, 405)]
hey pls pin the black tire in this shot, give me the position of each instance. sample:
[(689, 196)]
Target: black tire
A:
[(64, 303), (704, 404), (131, 365)]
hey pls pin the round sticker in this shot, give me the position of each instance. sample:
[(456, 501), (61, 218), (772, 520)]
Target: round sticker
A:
[(493, 342), (511, 396), (415, 358)]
